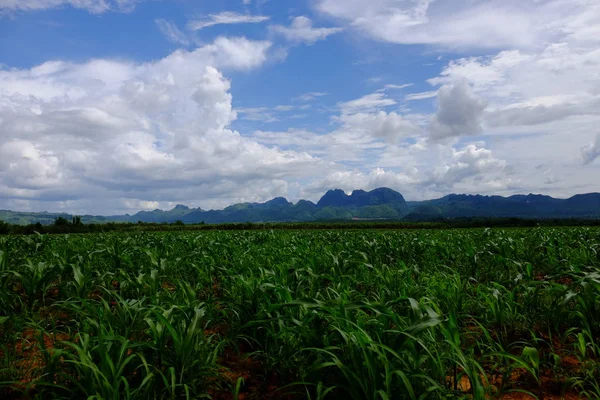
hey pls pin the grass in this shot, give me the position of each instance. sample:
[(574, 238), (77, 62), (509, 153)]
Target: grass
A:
[(437, 314)]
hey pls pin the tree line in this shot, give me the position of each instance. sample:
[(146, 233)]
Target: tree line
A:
[(63, 225)]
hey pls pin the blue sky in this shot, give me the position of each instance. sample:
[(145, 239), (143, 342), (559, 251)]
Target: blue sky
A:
[(110, 106)]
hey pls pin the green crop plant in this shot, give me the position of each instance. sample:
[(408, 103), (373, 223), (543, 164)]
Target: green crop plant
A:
[(363, 314)]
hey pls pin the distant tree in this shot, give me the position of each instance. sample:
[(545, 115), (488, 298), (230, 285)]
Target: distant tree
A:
[(77, 221), (326, 213), (178, 223), (61, 221)]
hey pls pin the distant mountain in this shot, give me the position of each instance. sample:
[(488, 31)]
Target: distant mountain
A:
[(175, 214), (381, 203), (47, 218), (533, 206), (360, 198)]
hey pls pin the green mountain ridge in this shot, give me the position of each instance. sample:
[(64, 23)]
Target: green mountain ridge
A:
[(380, 203)]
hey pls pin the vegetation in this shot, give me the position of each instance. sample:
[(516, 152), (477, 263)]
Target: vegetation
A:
[(335, 314), (65, 226)]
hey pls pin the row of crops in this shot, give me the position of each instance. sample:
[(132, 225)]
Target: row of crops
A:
[(486, 313)]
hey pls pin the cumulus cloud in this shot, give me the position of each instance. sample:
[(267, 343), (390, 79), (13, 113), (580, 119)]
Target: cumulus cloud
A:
[(529, 88), (239, 52), (156, 131), (364, 129), (91, 6), (471, 169), (544, 97), (301, 30), (459, 112), (473, 163), (120, 134), (226, 18), (592, 151), (345, 144), (389, 127)]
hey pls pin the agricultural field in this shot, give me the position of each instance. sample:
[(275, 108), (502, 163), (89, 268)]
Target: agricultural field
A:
[(356, 314)]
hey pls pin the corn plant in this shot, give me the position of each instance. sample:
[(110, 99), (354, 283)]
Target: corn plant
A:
[(359, 314)]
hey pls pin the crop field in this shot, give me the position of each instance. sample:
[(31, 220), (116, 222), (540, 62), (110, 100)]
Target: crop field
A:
[(437, 314)]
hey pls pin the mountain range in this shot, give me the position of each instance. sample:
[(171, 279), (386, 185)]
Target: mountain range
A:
[(379, 204)]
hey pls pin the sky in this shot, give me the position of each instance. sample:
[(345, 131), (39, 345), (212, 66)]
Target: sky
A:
[(116, 106)]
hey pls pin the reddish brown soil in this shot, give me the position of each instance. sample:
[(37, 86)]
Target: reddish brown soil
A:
[(168, 286), (30, 357)]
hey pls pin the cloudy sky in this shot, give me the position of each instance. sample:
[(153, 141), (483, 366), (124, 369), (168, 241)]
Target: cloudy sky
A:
[(112, 106)]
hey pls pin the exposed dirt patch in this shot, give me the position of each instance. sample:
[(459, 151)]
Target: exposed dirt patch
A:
[(256, 382), (547, 389), (30, 356), (168, 286)]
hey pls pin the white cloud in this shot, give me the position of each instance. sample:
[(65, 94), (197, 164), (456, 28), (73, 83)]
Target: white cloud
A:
[(542, 111), (239, 52), (226, 18), (380, 125), (363, 127), (91, 6), (108, 134), (126, 5), (459, 112), (301, 30), (371, 147), (420, 96), (477, 165), (529, 88), (95, 132), (542, 100), (171, 32), (398, 87), (262, 114), (592, 151), (270, 114), (310, 96), (284, 107), (467, 23), (368, 102), (469, 170), (347, 144), (34, 166)]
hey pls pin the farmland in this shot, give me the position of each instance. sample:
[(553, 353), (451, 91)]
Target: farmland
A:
[(345, 314)]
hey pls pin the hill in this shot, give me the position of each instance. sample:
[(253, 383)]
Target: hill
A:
[(532, 206), (381, 203)]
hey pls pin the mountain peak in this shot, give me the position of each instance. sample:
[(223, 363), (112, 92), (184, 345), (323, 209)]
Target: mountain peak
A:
[(277, 201), (361, 198), (181, 207), (333, 197)]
